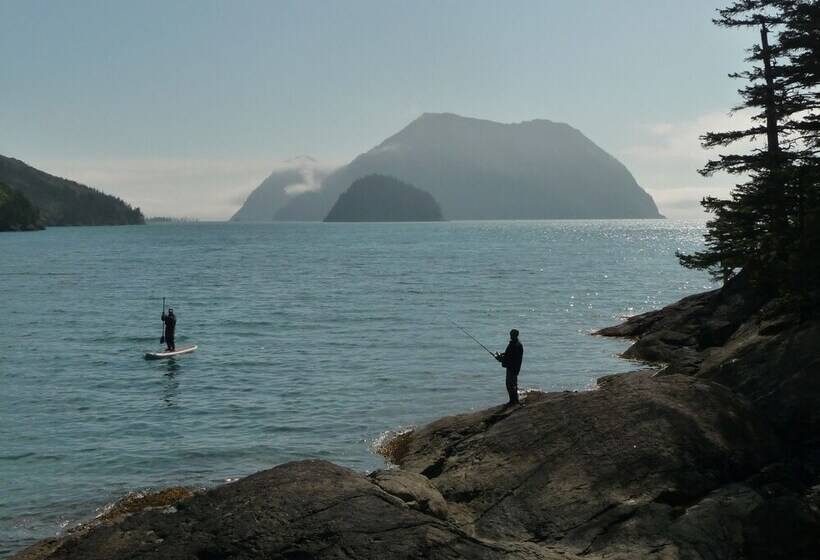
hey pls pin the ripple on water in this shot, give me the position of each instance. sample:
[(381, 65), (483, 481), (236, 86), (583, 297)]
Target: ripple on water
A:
[(314, 342)]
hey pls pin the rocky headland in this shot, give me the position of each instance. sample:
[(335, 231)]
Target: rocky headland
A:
[(710, 454)]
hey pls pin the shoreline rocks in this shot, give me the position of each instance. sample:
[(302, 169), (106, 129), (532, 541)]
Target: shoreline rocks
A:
[(757, 346), (693, 461), (644, 466), (600, 472)]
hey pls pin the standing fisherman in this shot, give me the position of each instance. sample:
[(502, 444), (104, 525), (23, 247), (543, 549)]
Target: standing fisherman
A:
[(170, 321), (511, 360)]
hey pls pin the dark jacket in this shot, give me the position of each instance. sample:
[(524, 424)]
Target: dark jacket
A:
[(170, 321), (512, 356)]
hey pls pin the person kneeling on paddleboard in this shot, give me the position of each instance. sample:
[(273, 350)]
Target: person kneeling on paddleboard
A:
[(170, 321)]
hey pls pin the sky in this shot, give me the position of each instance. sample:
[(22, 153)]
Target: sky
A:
[(183, 107)]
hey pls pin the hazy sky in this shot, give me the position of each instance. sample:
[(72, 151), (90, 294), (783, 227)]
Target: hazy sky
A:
[(183, 107)]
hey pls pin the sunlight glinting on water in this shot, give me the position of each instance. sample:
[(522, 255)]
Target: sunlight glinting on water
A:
[(315, 340)]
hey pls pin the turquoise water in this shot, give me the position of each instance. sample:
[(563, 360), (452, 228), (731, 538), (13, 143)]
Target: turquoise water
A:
[(315, 339)]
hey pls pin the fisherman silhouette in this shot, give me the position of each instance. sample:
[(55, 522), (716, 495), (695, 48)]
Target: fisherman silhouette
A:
[(511, 360), (170, 321)]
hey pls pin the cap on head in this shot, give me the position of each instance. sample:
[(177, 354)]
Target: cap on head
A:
[(170, 310), (514, 333)]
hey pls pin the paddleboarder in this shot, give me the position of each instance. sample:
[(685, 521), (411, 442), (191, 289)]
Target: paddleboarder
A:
[(170, 321), (511, 361)]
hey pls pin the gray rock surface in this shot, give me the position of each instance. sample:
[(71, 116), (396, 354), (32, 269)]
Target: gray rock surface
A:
[(629, 470), (758, 347), (414, 489), (303, 510)]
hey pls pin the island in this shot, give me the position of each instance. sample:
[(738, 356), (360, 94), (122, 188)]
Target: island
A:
[(381, 198), (16, 212), (476, 169)]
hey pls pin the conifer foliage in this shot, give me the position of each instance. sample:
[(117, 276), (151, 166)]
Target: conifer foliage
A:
[(770, 225), (16, 212)]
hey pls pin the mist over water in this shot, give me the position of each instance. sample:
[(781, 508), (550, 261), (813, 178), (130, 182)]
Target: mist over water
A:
[(314, 340)]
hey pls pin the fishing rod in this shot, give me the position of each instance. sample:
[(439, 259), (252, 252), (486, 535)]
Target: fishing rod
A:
[(490, 352)]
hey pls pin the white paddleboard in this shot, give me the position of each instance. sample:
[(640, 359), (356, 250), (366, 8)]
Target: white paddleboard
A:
[(163, 354)]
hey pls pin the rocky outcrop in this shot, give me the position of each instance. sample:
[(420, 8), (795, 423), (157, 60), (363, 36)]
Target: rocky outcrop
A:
[(309, 509), (415, 490), (757, 346), (644, 466), (678, 335)]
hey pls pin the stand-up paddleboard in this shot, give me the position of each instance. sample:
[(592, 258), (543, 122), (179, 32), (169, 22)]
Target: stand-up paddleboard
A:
[(163, 354)]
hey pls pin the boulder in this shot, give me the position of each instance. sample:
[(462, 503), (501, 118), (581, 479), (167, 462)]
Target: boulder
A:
[(414, 489), (608, 472), (302, 510)]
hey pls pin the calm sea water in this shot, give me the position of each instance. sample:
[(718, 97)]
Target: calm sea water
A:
[(315, 339)]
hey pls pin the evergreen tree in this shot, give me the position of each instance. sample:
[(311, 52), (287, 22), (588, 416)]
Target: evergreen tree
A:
[(800, 43), (765, 226), (16, 212)]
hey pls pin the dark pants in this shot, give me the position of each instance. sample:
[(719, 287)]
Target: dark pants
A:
[(169, 341), (512, 385)]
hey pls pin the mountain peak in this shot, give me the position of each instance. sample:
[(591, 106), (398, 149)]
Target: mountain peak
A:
[(481, 169), (301, 159), (453, 117)]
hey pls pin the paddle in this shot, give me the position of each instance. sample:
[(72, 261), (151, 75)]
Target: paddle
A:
[(162, 338)]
